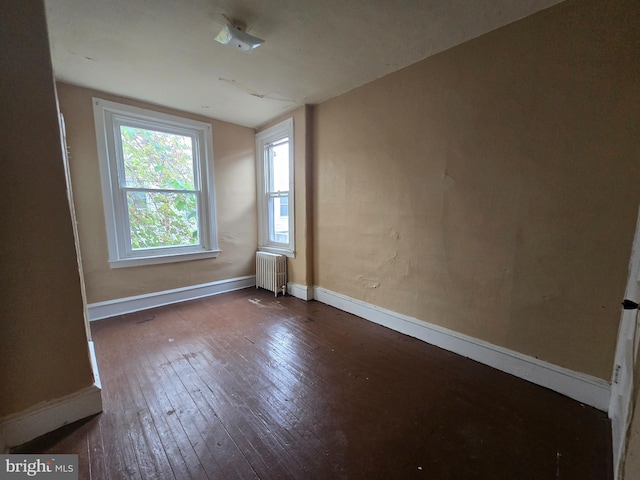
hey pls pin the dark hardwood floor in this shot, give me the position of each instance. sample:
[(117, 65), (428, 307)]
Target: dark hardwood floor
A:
[(242, 386)]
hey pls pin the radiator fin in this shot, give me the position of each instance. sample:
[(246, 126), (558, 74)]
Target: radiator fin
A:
[(271, 272)]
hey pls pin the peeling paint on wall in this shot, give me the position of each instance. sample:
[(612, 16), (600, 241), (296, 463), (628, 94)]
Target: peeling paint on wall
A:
[(492, 189)]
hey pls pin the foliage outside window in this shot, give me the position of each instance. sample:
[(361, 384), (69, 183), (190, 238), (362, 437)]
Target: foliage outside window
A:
[(157, 180), (274, 148)]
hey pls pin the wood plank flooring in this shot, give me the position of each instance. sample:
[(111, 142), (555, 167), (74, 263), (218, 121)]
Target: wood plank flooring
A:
[(245, 386)]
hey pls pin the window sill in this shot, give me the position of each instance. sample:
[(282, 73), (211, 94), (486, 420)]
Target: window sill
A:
[(158, 259), (280, 251)]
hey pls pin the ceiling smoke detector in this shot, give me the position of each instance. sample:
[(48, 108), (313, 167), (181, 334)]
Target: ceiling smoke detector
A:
[(233, 35)]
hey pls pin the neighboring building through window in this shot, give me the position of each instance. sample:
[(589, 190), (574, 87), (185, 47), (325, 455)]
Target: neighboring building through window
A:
[(157, 185), (284, 207), (274, 148)]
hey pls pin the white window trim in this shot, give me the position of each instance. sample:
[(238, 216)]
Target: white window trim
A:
[(107, 114), (264, 138)]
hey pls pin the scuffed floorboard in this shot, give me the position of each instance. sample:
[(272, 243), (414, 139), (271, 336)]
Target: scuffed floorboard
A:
[(244, 386)]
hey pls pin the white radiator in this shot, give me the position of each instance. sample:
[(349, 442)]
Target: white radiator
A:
[(271, 272)]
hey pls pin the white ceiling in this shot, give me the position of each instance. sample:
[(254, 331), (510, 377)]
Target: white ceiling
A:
[(163, 52)]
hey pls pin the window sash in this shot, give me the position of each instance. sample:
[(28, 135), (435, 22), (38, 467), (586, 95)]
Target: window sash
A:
[(274, 212), (183, 237), (119, 121), (269, 152)]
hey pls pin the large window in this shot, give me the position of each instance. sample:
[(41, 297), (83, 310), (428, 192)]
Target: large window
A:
[(157, 185), (274, 148)]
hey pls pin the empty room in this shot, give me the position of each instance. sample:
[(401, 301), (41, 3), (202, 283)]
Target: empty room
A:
[(313, 240)]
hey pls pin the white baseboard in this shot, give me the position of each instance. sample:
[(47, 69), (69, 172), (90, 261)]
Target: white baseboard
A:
[(581, 387), (45, 417), (120, 306), (94, 366), (300, 291)]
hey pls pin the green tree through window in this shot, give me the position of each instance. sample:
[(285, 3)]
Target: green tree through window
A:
[(160, 188)]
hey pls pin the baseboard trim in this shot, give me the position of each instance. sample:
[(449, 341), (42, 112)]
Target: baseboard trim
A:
[(120, 306), (303, 292), (578, 386), (94, 366), (45, 417)]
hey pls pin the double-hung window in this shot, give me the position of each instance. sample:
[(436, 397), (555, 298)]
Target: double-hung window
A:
[(274, 148), (157, 185)]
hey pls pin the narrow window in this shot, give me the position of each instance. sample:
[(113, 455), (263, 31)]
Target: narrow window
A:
[(274, 148), (157, 182)]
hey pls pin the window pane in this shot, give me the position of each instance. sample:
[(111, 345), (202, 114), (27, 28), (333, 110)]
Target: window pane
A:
[(284, 207), (161, 219), (279, 167), (157, 159), (279, 219)]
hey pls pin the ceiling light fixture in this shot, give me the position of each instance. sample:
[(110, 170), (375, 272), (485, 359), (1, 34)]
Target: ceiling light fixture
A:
[(233, 35)]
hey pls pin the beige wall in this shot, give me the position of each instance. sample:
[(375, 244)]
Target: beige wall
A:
[(234, 169), (300, 268), (43, 344), (493, 189)]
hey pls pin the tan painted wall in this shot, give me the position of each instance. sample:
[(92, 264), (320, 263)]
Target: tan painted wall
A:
[(43, 345), (493, 189), (234, 168), (300, 268)]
